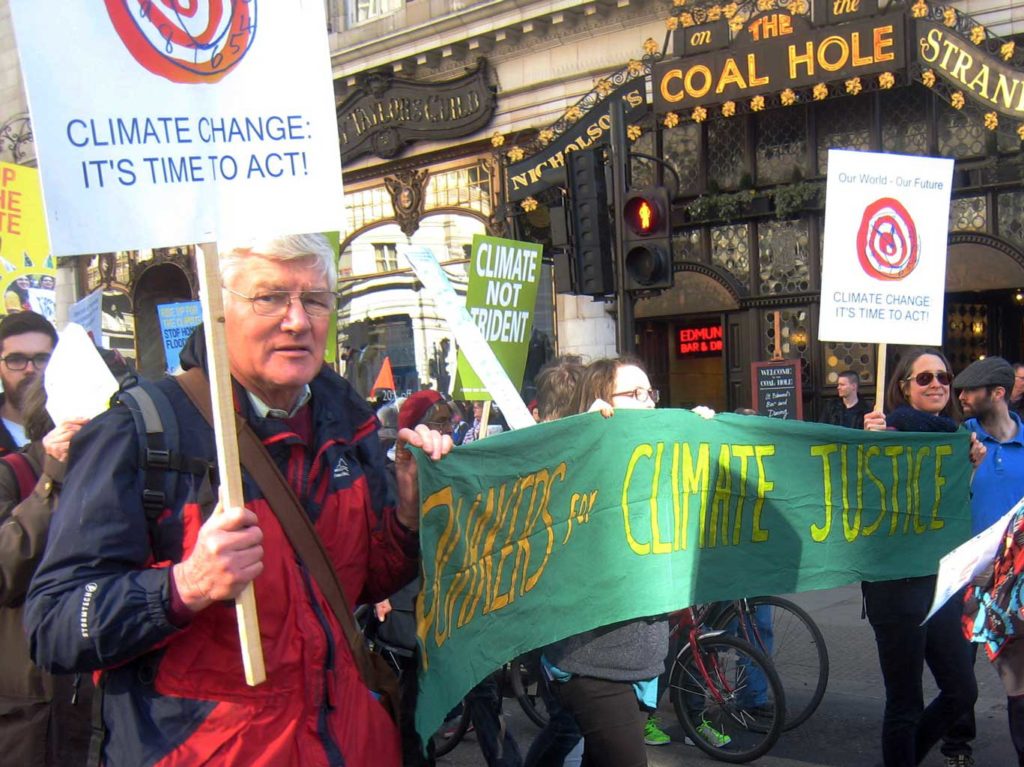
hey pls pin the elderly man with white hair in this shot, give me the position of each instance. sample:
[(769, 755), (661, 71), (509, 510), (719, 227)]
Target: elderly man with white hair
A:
[(147, 600)]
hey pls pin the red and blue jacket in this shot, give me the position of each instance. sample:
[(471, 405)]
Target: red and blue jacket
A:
[(101, 598)]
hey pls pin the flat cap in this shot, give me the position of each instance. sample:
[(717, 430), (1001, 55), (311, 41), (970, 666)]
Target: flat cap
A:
[(991, 371)]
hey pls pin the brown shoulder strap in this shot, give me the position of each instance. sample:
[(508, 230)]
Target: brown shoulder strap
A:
[(291, 516)]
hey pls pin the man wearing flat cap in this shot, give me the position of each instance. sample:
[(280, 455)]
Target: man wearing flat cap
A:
[(985, 386)]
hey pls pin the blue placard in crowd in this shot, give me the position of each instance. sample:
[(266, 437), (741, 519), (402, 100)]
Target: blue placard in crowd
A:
[(176, 323)]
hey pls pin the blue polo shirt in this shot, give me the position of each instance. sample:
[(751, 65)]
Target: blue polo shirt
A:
[(999, 481)]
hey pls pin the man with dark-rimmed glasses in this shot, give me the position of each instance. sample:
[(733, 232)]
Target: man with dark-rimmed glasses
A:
[(26, 343)]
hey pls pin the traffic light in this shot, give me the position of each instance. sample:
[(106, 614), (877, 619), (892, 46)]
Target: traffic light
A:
[(647, 238), (591, 225)]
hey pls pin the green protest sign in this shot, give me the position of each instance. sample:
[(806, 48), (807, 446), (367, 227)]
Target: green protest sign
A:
[(502, 291), (545, 532)]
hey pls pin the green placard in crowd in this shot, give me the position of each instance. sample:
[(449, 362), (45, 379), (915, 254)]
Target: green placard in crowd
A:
[(542, 533), (502, 291)]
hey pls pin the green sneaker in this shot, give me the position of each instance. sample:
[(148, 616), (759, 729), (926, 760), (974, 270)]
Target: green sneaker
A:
[(711, 735), (653, 734)]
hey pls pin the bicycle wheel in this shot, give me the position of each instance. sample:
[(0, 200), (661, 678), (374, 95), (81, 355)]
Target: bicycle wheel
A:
[(524, 678), (451, 732), (793, 643), (728, 698)]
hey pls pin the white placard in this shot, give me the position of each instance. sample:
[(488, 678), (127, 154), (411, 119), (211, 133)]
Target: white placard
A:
[(157, 127), (87, 312), (78, 382), (960, 566), (884, 266), (468, 335)]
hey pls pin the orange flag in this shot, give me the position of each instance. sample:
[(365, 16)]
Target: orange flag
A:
[(385, 378)]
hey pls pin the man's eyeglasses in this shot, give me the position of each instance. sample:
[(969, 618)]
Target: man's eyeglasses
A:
[(19, 361), (276, 303), (925, 378), (640, 394)]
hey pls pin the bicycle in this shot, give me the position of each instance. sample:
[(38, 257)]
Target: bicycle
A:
[(791, 640), (726, 694)]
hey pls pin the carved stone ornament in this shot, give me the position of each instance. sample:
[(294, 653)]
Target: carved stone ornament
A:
[(406, 190), (384, 113)]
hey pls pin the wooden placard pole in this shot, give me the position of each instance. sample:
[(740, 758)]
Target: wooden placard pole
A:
[(228, 463), (880, 376), (777, 322), (485, 416)]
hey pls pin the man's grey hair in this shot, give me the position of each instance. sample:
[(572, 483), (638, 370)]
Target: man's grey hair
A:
[(292, 247)]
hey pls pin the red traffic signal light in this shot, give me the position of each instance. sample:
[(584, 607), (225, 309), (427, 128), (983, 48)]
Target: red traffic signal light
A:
[(647, 238), (642, 214)]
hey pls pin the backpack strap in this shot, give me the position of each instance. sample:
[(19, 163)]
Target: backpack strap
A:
[(160, 458), (24, 473)]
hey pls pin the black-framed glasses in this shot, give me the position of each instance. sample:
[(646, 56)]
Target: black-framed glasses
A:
[(640, 394), (926, 377), (18, 361), (276, 303)]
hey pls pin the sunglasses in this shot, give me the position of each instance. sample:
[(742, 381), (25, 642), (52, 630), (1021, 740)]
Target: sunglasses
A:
[(926, 377)]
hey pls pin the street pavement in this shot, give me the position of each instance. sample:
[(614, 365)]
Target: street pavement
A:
[(844, 732)]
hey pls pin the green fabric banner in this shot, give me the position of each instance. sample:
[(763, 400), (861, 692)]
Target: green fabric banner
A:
[(538, 534)]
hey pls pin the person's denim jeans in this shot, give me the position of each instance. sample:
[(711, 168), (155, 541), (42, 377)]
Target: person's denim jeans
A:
[(896, 610), (497, 745)]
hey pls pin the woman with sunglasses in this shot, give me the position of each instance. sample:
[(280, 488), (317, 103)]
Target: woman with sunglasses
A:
[(918, 399), (603, 677)]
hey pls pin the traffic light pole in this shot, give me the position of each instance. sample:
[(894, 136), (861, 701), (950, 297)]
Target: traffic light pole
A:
[(618, 149)]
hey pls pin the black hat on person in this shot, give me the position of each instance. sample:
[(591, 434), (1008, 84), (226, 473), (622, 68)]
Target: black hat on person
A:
[(991, 371)]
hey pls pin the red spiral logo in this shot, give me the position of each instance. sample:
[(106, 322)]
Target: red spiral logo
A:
[(185, 41), (887, 244)]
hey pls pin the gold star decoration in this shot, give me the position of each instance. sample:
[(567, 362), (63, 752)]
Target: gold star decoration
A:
[(497, 139), (634, 132), (699, 114), (757, 104), (574, 114), (671, 120), (678, 3), (928, 78), (919, 10), (978, 35), (650, 46), (991, 120), (728, 109), (635, 67), (529, 205), (686, 19), (949, 17), (515, 154), (1006, 50), (714, 13), (603, 87), (1020, 131), (886, 80), (672, 22), (765, 5), (957, 100), (736, 24), (820, 92), (545, 136), (730, 10), (797, 7), (788, 97), (853, 86)]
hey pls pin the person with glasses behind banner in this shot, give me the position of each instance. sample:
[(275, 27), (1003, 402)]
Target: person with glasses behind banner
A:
[(26, 343), (918, 399), (141, 588), (605, 676)]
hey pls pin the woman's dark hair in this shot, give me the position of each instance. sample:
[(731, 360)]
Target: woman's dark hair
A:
[(33, 409), (598, 381), (896, 391)]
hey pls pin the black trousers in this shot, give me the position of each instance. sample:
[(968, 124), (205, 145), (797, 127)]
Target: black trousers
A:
[(610, 720), (896, 610)]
